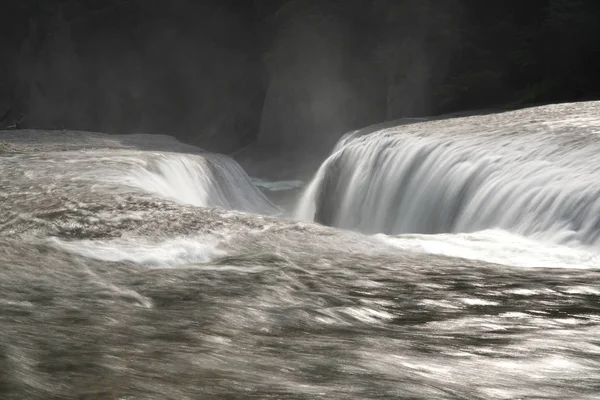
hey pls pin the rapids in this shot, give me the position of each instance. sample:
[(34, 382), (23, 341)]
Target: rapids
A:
[(137, 267)]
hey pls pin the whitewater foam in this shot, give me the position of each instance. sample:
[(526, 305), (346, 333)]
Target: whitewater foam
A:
[(181, 252), (535, 179), (499, 247), (202, 180), (206, 181)]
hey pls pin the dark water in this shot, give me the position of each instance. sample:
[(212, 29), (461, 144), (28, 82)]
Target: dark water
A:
[(117, 282)]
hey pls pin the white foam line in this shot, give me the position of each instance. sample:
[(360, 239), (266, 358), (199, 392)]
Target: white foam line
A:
[(173, 253), (499, 247)]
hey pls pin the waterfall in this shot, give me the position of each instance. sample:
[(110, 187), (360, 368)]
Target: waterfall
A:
[(536, 179)]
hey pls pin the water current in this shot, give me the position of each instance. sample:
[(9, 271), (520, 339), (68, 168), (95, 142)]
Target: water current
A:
[(454, 258)]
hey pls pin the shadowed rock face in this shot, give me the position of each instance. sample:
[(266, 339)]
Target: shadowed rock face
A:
[(291, 76), (192, 70)]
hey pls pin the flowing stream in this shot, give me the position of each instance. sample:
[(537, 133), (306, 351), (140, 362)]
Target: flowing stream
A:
[(447, 259)]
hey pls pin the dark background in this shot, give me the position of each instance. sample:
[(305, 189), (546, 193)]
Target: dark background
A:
[(286, 76)]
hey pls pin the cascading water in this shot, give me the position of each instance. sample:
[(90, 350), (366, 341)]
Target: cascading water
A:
[(210, 180), (138, 267), (207, 180), (535, 178)]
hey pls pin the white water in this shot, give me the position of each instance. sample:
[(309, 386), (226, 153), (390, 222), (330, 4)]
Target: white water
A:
[(205, 181), (202, 180), (173, 253), (498, 247), (539, 180), (102, 276)]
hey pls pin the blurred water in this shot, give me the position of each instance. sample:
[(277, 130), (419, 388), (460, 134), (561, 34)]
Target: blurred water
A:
[(136, 273), (532, 172)]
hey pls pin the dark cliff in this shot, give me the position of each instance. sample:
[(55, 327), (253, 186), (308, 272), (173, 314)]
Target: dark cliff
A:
[(285, 74)]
